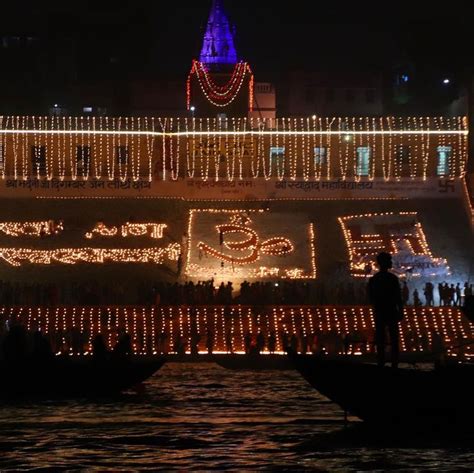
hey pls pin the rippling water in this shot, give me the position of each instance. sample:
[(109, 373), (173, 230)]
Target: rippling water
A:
[(201, 416)]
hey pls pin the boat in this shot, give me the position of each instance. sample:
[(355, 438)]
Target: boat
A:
[(399, 397), (74, 376)]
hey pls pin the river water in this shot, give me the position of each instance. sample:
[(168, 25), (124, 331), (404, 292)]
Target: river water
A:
[(201, 416)]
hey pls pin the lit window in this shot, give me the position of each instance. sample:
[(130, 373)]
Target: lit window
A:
[(403, 155), (121, 154), (319, 156), (57, 111), (444, 156), (83, 157), (222, 121), (276, 153), (363, 161), (87, 109), (38, 160)]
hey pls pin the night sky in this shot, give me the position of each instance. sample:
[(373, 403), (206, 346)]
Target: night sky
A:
[(162, 37)]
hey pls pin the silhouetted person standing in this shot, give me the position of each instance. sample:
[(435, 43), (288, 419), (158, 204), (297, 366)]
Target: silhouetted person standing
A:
[(385, 296), (99, 348), (123, 346), (405, 293), (247, 342), (228, 341), (457, 298), (210, 341), (272, 342), (260, 342), (428, 292), (416, 299)]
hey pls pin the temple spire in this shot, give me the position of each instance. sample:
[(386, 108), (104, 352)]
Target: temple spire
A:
[(218, 46)]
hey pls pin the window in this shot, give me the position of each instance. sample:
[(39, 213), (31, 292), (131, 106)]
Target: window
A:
[(401, 79), (38, 159), (121, 154), (402, 160), (319, 156), (222, 121), (276, 153), (363, 161), (330, 95), (444, 155), (263, 88), (83, 158), (350, 95), (403, 155), (57, 111), (309, 95)]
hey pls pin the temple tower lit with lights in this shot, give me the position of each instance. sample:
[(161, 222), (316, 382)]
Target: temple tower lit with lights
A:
[(219, 83)]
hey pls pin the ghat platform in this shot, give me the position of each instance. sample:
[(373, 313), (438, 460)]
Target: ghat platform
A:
[(327, 329)]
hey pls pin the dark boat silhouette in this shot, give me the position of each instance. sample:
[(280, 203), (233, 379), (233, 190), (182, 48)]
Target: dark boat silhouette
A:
[(68, 376), (393, 397)]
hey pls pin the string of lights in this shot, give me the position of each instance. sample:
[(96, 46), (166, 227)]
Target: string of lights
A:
[(248, 248), (122, 148), (416, 330), (71, 256), (150, 229), (37, 229), (220, 95), (395, 233)]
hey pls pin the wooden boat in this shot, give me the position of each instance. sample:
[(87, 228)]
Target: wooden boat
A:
[(393, 397), (68, 376)]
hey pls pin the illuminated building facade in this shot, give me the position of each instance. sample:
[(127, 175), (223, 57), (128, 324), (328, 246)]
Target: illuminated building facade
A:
[(232, 149), (366, 167)]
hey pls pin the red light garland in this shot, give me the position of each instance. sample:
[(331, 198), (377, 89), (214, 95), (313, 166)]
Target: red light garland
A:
[(220, 95)]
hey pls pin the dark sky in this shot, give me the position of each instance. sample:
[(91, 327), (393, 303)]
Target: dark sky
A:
[(164, 36)]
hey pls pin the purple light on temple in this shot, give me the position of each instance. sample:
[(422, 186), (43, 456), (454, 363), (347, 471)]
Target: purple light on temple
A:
[(218, 46)]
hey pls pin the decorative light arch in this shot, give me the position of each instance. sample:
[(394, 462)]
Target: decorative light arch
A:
[(220, 96)]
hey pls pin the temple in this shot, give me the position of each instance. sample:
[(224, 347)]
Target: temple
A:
[(219, 84), (218, 49)]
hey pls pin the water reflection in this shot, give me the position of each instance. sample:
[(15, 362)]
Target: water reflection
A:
[(202, 416)]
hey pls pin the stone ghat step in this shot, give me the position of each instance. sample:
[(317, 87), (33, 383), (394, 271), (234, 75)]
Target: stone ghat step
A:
[(330, 329)]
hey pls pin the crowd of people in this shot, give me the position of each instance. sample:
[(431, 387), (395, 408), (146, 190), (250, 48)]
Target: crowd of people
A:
[(330, 342), (19, 344), (286, 292), (206, 292), (16, 343), (444, 295)]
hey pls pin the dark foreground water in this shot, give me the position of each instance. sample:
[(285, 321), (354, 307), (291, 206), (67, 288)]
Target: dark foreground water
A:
[(200, 416)]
